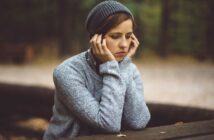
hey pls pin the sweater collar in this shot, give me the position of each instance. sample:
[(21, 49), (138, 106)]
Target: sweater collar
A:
[(92, 61)]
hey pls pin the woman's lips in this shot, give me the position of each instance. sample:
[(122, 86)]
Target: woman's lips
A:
[(120, 54)]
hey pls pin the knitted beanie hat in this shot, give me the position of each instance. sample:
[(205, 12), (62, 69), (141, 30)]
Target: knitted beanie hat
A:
[(103, 10)]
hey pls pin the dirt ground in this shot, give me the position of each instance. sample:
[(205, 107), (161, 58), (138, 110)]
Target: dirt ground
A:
[(186, 84)]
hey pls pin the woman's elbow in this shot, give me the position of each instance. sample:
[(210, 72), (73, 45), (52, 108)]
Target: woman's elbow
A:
[(112, 127), (142, 123), (145, 121)]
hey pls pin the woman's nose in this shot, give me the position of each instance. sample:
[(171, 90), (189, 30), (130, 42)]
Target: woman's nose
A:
[(124, 43)]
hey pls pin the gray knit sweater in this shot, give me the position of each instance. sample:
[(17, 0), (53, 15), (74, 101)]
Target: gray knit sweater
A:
[(92, 98)]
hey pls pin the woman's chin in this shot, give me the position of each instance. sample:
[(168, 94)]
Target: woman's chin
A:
[(119, 59)]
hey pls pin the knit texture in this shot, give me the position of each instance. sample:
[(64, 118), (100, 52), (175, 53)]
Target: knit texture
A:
[(92, 99), (101, 12)]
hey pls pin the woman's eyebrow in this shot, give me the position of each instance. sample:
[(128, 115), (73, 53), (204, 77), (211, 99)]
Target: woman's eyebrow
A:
[(129, 33), (118, 33), (115, 33)]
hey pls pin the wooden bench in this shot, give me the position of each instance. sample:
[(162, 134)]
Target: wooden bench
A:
[(200, 130)]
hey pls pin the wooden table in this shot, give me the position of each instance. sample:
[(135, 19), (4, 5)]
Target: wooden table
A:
[(201, 130)]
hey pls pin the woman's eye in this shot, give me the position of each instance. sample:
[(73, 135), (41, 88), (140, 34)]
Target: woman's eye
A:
[(128, 36), (115, 36)]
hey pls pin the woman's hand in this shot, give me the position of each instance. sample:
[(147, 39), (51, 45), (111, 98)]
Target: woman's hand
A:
[(99, 49), (134, 45)]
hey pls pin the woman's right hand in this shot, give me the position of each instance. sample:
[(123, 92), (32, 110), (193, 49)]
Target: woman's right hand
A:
[(100, 50)]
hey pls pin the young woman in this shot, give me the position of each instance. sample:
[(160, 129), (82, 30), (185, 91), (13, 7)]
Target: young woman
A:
[(100, 90)]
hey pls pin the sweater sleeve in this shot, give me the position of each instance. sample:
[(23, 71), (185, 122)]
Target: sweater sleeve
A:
[(71, 90), (136, 114)]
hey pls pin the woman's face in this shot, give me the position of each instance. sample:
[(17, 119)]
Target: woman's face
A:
[(118, 39)]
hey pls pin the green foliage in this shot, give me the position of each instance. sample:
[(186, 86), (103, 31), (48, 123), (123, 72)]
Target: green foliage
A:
[(188, 35), (150, 19), (87, 4)]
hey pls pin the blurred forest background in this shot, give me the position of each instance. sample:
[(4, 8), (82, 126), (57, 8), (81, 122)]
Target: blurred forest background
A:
[(28, 28), (175, 58)]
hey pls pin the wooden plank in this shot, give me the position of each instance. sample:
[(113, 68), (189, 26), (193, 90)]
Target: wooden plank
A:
[(195, 131), (205, 137)]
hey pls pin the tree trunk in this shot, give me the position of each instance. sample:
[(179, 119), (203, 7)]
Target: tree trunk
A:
[(162, 48), (65, 26), (209, 45)]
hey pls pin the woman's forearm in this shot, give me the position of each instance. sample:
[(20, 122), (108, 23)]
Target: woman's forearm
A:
[(136, 114)]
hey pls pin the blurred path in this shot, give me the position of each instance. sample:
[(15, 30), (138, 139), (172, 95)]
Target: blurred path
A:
[(27, 74), (179, 84)]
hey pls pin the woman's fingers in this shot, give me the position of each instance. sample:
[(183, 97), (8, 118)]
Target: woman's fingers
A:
[(104, 46), (93, 44), (133, 48), (99, 48), (135, 39), (99, 44), (96, 45), (135, 44)]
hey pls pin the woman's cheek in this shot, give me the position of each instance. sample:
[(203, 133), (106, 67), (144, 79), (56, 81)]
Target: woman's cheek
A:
[(110, 45), (112, 49)]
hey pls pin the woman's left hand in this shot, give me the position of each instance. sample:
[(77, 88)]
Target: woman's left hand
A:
[(133, 47)]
